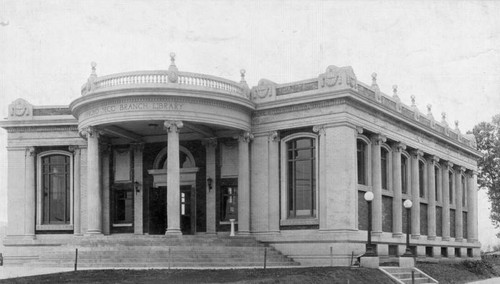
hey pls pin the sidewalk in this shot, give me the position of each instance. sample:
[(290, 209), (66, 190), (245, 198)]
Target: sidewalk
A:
[(487, 281), (13, 271)]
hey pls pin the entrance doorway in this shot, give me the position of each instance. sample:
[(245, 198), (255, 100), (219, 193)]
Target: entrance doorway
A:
[(158, 213), (122, 204)]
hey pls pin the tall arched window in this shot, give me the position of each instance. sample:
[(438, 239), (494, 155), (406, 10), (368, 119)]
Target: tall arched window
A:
[(464, 192), (54, 189), (436, 182), (421, 178), (299, 175), (404, 174), (361, 152)]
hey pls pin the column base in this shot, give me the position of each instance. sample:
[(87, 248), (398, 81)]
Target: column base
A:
[(415, 237), (445, 238), (173, 232), (376, 234), (431, 238), (93, 234)]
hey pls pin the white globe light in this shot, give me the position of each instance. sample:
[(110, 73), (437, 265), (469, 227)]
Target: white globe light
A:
[(369, 196), (407, 204)]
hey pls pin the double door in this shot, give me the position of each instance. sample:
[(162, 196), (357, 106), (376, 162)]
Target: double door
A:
[(158, 213)]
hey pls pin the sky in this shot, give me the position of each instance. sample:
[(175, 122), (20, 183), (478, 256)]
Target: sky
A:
[(445, 53)]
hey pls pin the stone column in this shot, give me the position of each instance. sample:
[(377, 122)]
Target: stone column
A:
[(138, 149), (446, 199), (76, 189), (415, 193), (94, 194), (173, 178), (472, 236), (323, 200), (210, 146), (459, 207), (377, 183), (30, 192), (431, 208), (273, 183), (244, 183), (397, 214)]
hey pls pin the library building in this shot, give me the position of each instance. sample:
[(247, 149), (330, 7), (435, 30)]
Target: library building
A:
[(170, 154)]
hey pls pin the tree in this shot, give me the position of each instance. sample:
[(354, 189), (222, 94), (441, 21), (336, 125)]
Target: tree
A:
[(488, 142)]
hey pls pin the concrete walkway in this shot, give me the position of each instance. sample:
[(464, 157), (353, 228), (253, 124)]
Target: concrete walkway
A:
[(488, 281), (13, 271)]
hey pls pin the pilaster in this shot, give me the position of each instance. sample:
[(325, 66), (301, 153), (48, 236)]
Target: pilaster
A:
[(459, 206), (472, 221), (77, 230), (244, 183), (30, 192), (138, 149), (397, 215), (273, 182), (94, 194), (415, 193), (210, 146), (431, 208), (377, 140)]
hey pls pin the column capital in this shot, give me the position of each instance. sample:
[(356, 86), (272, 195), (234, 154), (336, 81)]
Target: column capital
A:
[(245, 137), (460, 169), (173, 125), (398, 146), (75, 149), (472, 172), (433, 159), (378, 138), (359, 129), (90, 131), (209, 142), (274, 136), (417, 153), (137, 146), (30, 151), (447, 164), (320, 129)]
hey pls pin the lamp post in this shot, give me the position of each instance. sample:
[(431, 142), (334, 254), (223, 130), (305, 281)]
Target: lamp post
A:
[(369, 248), (407, 204)]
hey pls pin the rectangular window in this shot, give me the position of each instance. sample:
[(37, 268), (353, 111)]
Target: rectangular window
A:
[(464, 192), (421, 178), (436, 182), (450, 186), (404, 174), (301, 163), (229, 203), (384, 166), (361, 148)]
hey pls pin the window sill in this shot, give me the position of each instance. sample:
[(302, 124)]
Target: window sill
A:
[(62, 227), (298, 221)]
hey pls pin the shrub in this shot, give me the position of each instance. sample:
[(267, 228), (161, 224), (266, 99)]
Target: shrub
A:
[(479, 267)]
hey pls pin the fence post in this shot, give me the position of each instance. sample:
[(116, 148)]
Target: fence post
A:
[(412, 276), (76, 259)]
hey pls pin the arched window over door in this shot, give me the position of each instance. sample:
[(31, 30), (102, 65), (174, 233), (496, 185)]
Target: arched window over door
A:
[(54, 191)]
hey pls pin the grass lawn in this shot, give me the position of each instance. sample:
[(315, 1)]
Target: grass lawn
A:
[(286, 275)]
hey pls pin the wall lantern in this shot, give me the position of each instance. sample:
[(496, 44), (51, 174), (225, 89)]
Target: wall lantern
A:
[(137, 186), (370, 250), (408, 204), (209, 183)]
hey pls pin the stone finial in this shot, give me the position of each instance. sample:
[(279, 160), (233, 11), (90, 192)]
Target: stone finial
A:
[(429, 110), (93, 65), (443, 118), (172, 70), (456, 126), (413, 101), (172, 58), (374, 82), (242, 73), (395, 91)]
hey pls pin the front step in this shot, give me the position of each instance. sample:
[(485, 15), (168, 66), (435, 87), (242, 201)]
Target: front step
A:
[(404, 275), (144, 251)]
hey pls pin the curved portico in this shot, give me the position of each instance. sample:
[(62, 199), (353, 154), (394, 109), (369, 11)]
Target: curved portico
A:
[(143, 107)]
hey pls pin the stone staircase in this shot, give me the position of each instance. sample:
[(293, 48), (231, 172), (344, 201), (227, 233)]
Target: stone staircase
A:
[(135, 251), (404, 275)]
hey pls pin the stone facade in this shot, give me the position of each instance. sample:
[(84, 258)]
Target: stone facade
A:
[(171, 152)]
